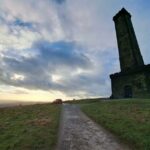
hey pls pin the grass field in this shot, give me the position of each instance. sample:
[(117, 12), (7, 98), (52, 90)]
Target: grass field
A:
[(85, 101), (29, 127), (128, 119)]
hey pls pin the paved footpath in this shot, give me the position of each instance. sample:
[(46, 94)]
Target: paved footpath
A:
[(78, 132)]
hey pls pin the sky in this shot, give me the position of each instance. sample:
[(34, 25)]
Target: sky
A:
[(64, 49)]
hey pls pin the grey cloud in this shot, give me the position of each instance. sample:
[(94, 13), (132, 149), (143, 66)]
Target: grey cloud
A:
[(50, 58)]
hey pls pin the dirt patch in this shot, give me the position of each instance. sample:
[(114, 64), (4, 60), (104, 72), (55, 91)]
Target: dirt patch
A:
[(39, 122)]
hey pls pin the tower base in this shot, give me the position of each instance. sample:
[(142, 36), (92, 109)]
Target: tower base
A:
[(132, 83)]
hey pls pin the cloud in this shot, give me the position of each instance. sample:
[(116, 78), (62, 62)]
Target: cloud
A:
[(65, 45), (59, 66), (49, 59)]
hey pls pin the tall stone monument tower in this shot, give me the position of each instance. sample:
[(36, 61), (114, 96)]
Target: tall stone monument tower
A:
[(134, 78), (129, 52)]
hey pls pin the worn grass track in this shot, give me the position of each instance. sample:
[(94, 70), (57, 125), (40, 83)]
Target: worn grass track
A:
[(29, 127), (128, 119)]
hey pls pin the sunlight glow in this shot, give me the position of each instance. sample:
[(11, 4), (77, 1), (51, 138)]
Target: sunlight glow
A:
[(56, 78), (17, 77)]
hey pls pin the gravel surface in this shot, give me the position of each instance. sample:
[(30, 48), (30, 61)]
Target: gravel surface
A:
[(78, 132)]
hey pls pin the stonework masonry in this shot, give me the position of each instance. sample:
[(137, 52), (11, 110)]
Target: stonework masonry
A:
[(133, 81)]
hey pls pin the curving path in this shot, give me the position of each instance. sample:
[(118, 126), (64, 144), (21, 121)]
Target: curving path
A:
[(78, 132)]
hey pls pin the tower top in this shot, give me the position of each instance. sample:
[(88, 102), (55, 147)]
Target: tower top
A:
[(122, 12)]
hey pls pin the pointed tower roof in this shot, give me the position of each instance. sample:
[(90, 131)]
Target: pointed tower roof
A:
[(123, 11)]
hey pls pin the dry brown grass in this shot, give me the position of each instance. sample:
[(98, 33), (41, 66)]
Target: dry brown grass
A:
[(40, 122)]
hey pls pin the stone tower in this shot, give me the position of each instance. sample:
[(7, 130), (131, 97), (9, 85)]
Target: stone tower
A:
[(129, 52), (134, 78)]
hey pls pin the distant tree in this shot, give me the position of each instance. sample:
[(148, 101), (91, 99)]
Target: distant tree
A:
[(57, 101)]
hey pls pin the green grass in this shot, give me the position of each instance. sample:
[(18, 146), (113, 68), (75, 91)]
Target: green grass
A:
[(29, 127), (85, 101), (128, 119)]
